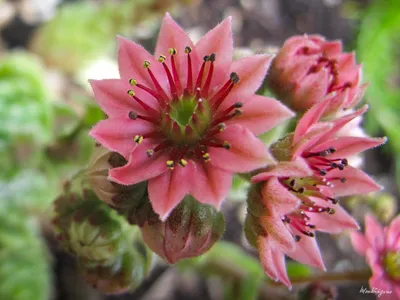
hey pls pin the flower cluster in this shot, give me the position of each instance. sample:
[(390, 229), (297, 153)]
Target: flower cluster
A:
[(298, 196), (381, 246), (184, 121)]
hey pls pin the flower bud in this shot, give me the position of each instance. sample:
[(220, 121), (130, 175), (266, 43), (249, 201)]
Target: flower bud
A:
[(112, 193), (124, 273), (87, 227), (189, 231), (309, 69)]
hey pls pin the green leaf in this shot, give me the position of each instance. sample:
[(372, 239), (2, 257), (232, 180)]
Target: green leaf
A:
[(24, 268), (26, 116)]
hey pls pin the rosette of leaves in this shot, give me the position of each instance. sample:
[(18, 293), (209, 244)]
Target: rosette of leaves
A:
[(110, 252), (25, 113), (24, 268)]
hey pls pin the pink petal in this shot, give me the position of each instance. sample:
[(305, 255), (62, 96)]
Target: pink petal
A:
[(261, 114), (173, 36), (296, 168), (307, 251), (359, 242), (287, 55), (131, 57), (211, 184), (278, 231), (251, 71), (374, 259), (393, 234), (310, 138), (374, 233), (169, 188), (280, 266), (357, 182), (112, 96), (265, 246), (219, 41), (347, 146), (312, 116), (341, 122), (335, 223), (247, 152), (109, 134), (140, 167), (311, 89), (277, 198)]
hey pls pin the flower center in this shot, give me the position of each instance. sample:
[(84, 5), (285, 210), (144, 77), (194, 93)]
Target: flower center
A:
[(186, 122), (392, 264), (304, 189)]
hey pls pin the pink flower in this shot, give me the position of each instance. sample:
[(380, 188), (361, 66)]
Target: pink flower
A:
[(381, 246), (309, 69), (187, 118), (298, 195)]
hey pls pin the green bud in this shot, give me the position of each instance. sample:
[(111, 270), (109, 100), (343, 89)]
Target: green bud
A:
[(191, 229), (124, 273)]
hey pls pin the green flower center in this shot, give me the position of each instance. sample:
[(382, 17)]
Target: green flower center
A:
[(187, 120), (392, 265)]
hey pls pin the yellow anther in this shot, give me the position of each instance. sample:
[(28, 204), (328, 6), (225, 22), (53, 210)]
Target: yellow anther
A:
[(170, 164), (146, 64), (238, 111), (227, 145), (172, 51), (206, 156), (188, 50), (138, 139), (183, 162), (150, 152), (131, 93), (132, 82), (221, 126), (162, 59)]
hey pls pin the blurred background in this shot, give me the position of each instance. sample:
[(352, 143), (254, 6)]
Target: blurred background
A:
[(48, 51)]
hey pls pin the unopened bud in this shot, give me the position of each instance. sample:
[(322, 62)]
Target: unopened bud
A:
[(190, 230), (124, 273)]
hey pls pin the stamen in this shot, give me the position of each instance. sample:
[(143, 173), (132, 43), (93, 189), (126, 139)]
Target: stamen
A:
[(227, 146), (173, 52), (218, 98), (144, 105), (138, 139), (237, 112), (150, 152), (160, 90), (206, 157), (183, 162), (170, 164), (209, 76), (189, 86), (201, 72), (235, 106), (172, 86), (132, 115)]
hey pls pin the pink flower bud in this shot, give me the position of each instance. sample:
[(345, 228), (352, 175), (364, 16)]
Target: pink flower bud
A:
[(189, 231), (309, 69)]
